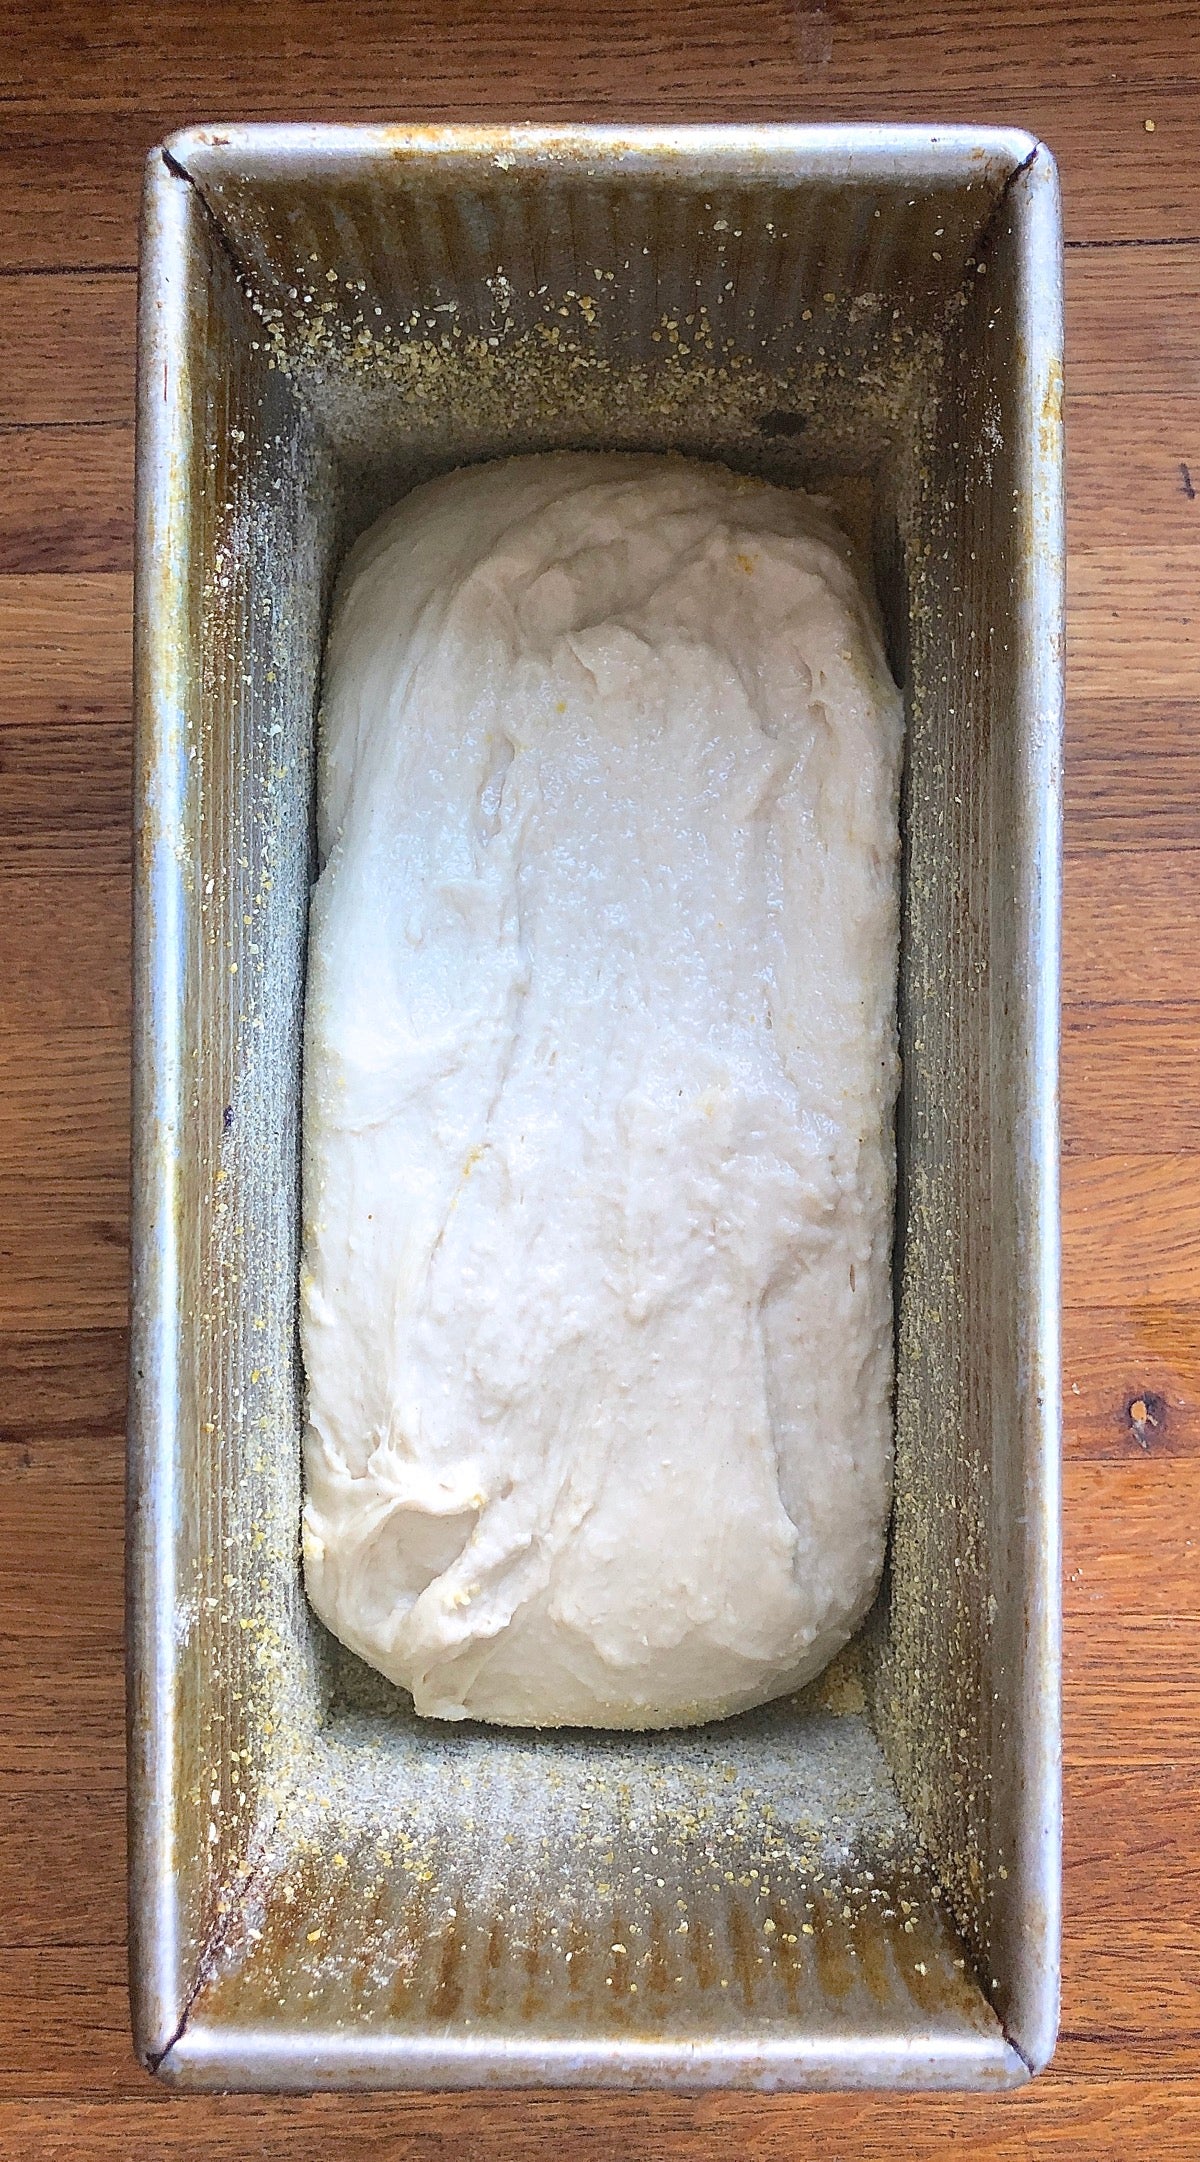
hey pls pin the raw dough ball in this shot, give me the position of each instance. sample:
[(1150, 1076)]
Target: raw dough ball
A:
[(600, 1069)]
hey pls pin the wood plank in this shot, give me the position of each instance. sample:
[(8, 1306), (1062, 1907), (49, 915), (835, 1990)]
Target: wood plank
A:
[(66, 339), (1131, 1990), (62, 1873), (1131, 1540), (1131, 1690), (68, 644), (1131, 1838), (1131, 1229), (1133, 1551), (1134, 616), (71, 203), (1131, 1079), (1131, 1842), (117, 59), (1132, 916), (74, 1382), (64, 1249), (66, 806), (70, 1091), (72, 194), (66, 1534), (1132, 1570), (44, 1470), (56, 1388), (1131, 927), (1144, 1357), (1131, 1944), (119, 55), (68, 2019), (1131, 461), (1132, 1851), (64, 947), (61, 1719), (67, 502), (1132, 774), (67, 349), (1128, 317), (84, 216), (1133, 1535), (67, 2026), (1151, 194), (1104, 2120), (1130, 1996)]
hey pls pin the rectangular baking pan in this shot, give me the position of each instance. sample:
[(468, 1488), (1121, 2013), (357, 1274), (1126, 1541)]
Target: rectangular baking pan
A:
[(856, 1887)]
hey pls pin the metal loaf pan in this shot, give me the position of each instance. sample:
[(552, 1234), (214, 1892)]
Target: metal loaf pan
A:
[(856, 1887)]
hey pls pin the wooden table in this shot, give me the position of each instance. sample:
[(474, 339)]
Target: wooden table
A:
[(85, 91)]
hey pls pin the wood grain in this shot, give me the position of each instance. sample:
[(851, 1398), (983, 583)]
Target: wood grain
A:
[(63, 1715), (1155, 1049), (1145, 1357), (1119, 1512), (1131, 1227), (66, 349), (1128, 457), (64, 928), (67, 644), (1098, 2119), (86, 90), (67, 500), (1077, 80), (1128, 311), (1105, 586), (54, 1388), (1131, 926), (1133, 777), (77, 1994)]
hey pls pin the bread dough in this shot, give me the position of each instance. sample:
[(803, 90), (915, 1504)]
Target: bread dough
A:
[(599, 1076)]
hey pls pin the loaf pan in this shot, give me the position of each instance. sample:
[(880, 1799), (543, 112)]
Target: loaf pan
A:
[(858, 1886)]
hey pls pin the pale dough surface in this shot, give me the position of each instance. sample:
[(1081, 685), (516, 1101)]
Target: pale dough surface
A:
[(600, 1070)]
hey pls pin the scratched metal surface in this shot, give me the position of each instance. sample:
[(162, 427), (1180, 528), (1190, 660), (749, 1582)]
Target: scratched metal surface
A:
[(855, 1886)]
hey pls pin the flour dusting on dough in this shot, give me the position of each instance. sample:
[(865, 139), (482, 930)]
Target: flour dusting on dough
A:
[(599, 1077)]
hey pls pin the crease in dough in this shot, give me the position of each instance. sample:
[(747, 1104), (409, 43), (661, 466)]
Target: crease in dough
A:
[(600, 1067)]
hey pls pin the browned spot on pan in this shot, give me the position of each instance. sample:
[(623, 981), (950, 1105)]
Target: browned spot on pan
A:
[(785, 1945), (831, 1942), (447, 1994), (869, 1936), (746, 1948), (620, 1958), (412, 1937), (701, 1950), (660, 1971), (492, 1959), (535, 1991), (578, 1953)]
